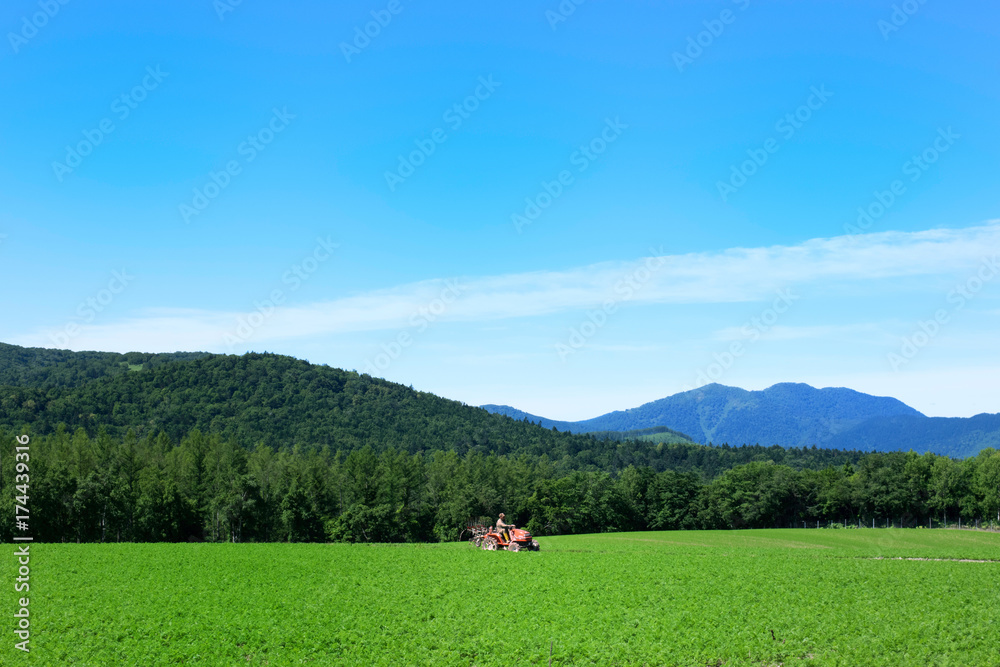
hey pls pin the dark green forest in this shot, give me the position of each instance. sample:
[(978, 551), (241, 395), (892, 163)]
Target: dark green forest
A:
[(263, 447), (45, 368)]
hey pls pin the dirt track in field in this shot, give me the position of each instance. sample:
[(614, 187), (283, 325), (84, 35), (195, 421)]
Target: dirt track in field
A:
[(949, 560)]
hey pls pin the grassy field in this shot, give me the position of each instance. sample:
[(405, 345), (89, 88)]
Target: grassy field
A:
[(761, 597)]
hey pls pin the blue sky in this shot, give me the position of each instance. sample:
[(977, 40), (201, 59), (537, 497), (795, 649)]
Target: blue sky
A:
[(568, 212)]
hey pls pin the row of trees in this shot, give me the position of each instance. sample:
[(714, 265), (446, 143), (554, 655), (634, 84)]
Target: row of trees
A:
[(210, 487)]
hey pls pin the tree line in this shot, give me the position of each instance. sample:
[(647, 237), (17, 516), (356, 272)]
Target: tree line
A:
[(212, 487)]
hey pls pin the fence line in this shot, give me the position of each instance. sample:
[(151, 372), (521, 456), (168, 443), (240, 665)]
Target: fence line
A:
[(863, 522)]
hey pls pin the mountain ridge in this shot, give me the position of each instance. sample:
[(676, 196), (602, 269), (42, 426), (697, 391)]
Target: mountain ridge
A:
[(792, 414)]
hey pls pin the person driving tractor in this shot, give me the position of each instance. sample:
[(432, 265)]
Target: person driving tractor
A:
[(502, 527)]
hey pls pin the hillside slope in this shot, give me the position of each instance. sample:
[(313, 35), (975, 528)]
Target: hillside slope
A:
[(285, 402), (273, 399)]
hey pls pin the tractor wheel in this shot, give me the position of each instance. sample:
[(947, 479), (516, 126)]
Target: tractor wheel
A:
[(513, 546), (534, 545), (478, 541), (490, 544)]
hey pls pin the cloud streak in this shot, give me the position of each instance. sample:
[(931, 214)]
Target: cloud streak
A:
[(728, 276)]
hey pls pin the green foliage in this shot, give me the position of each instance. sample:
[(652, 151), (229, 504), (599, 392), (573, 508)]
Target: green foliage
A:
[(212, 488), (45, 369)]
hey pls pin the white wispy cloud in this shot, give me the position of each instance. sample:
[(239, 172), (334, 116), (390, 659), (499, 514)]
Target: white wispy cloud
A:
[(867, 332), (732, 275)]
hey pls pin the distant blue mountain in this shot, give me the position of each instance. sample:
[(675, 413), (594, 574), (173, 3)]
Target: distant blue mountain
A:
[(521, 415), (793, 415)]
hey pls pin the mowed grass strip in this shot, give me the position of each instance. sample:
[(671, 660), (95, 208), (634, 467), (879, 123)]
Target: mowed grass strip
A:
[(683, 598)]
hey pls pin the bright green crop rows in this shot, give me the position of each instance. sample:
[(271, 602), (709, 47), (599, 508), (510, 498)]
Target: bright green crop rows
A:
[(681, 598)]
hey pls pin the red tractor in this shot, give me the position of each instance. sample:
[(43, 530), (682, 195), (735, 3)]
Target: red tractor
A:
[(489, 538)]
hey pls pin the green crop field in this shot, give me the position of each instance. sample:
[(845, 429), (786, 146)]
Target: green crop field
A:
[(761, 597)]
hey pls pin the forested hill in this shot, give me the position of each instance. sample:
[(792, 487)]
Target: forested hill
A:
[(274, 399), (284, 402), (44, 368)]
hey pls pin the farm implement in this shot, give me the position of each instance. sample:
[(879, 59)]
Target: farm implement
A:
[(487, 537)]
